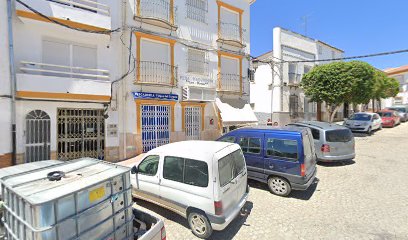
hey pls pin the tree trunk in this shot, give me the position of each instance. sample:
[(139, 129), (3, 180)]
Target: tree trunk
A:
[(319, 111), (332, 112), (373, 104)]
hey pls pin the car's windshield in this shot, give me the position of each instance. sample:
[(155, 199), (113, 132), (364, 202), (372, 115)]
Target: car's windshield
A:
[(399, 109), (385, 114), (361, 117)]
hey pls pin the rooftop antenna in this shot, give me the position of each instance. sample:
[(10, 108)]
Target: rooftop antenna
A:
[(305, 22)]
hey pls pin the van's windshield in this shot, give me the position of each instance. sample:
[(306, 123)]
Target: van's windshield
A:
[(230, 167)]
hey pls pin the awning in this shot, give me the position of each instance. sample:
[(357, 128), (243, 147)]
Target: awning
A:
[(236, 116)]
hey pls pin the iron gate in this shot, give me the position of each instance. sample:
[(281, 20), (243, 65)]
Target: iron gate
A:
[(38, 146), (155, 126), (192, 120), (81, 133)]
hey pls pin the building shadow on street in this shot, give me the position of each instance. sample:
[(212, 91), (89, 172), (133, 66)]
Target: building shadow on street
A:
[(228, 233), (336, 164), (301, 195)]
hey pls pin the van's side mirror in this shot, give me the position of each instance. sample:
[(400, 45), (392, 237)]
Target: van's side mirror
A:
[(133, 170)]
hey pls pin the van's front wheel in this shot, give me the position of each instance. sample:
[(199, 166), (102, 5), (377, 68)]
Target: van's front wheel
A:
[(279, 186), (200, 225)]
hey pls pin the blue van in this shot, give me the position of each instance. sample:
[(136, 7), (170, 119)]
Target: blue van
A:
[(284, 158)]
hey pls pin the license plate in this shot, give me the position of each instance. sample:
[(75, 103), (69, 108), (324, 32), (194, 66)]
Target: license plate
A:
[(96, 194)]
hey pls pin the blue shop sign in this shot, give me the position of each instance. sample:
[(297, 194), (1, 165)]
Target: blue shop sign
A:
[(158, 96)]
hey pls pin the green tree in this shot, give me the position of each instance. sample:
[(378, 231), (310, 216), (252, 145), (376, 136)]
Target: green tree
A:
[(380, 84), (339, 82), (363, 79), (329, 83), (391, 88)]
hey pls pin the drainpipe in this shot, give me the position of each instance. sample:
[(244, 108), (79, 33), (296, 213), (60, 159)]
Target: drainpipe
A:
[(12, 82)]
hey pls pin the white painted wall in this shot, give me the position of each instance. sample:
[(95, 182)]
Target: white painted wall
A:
[(189, 33), (288, 46), (38, 83), (61, 11)]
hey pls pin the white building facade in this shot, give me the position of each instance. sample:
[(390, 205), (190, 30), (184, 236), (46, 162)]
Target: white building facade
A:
[(401, 74), (166, 60), (188, 54), (275, 91)]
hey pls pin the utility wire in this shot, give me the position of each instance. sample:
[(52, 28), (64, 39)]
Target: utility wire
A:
[(65, 25), (334, 59)]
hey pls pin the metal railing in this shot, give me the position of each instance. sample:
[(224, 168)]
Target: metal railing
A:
[(157, 9), (229, 82), (156, 73), (89, 5), (63, 71), (231, 32)]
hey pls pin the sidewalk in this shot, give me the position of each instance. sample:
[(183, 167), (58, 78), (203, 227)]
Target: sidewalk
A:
[(132, 161)]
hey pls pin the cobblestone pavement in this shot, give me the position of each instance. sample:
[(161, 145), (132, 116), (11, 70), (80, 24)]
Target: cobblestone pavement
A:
[(363, 199)]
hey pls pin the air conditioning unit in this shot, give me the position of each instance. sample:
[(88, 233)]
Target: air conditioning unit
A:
[(199, 94)]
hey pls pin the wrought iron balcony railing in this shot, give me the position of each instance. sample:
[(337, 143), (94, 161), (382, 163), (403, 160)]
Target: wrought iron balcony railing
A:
[(161, 10), (229, 83), (156, 73), (231, 32), (89, 5)]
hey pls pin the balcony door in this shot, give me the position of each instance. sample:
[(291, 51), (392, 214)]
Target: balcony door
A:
[(155, 62), (230, 77), (230, 26), (67, 59)]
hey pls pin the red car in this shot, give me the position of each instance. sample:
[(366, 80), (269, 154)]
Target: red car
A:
[(390, 118)]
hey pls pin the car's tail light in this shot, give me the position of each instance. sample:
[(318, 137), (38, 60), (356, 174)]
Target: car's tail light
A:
[(163, 233), (302, 170), (325, 148), (218, 208)]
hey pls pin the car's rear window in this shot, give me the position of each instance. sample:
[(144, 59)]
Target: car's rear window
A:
[(339, 135), (230, 166)]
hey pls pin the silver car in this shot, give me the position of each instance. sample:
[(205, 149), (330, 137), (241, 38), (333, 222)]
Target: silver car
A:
[(402, 111), (364, 122), (332, 142)]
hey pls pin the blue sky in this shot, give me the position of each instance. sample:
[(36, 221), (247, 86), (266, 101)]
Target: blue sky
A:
[(358, 27)]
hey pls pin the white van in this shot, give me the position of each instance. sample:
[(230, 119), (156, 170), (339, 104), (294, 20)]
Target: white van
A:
[(204, 181)]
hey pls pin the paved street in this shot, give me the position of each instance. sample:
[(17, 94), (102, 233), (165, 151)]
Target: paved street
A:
[(363, 199)]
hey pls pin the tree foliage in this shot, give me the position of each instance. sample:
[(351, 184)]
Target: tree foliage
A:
[(354, 82)]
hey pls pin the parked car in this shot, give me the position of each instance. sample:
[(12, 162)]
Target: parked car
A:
[(402, 111), (364, 122), (203, 181), (390, 118), (284, 158), (332, 142)]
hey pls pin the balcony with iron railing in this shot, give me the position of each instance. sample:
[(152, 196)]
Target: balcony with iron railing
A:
[(231, 33), (87, 12), (157, 12), (229, 83), (53, 78), (156, 73)]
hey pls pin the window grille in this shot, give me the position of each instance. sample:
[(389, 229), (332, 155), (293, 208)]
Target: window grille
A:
[(197, 10), (197, 61), (293, 105)]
